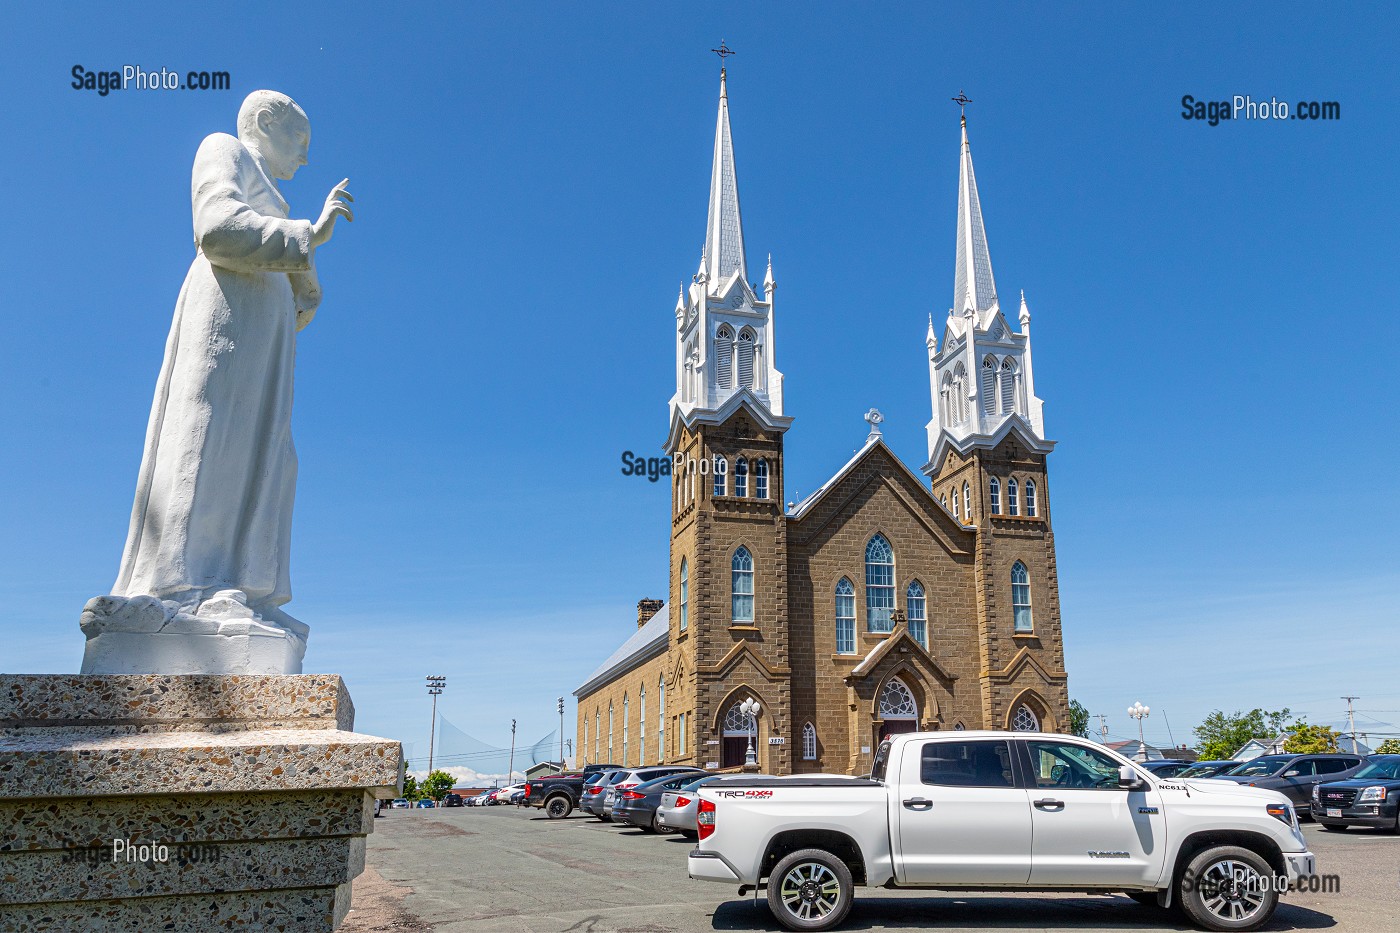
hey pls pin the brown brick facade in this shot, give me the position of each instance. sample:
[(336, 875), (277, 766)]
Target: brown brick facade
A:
[(976, 671)]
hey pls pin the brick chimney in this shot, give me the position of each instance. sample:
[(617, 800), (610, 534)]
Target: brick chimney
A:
[(646, 608)]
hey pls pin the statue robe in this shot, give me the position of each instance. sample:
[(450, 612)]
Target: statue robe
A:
[(213, 507)]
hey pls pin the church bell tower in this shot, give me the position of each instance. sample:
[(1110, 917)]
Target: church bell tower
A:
[(728, 570)]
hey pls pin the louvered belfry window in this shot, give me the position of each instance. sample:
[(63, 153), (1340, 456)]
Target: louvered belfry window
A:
[(724, 358), (746, 354), (989, 384), (1008, 386)]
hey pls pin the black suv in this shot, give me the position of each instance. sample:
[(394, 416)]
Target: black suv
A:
[(1370, 797), (1294, 776)]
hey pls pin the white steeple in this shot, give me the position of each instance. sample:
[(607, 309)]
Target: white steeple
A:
[(724, 234), (973, 284), (980, 378), (725, 335)]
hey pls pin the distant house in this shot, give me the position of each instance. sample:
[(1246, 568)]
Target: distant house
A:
[(1132, 750), (542, 769), (1256, 747)]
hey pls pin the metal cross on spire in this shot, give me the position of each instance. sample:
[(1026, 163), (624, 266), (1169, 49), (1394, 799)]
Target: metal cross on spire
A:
[(723, 52), (962, 100)]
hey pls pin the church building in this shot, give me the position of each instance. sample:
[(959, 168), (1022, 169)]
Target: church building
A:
[(883, 602)]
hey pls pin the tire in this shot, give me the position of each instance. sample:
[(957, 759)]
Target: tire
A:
[(1228, 888), (558, 807), (811, 889), (1333, 827)]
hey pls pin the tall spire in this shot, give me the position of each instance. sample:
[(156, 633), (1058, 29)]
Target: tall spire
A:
[(724, 233), (973, 284)]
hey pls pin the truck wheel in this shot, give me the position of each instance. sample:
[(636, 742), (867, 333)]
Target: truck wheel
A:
[(558, 807), (811, 889), (1228, 888)]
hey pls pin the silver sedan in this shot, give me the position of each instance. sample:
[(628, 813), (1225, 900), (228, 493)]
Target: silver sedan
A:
[(676, 812)]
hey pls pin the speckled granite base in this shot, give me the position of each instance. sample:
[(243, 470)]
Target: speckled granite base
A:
[(254, 785)]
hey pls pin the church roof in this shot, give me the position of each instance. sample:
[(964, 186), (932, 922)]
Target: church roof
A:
[(874, 440), (646, 643), (724, 233)]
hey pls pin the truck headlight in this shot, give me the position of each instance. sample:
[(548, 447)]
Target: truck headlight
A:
[(1317, 793), (1371, 795), (1281, 812)]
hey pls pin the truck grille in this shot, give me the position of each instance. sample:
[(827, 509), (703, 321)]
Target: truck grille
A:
[(1337, 796)]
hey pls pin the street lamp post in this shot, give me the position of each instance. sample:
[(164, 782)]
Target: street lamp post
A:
[(751, 708), (1140, 712), (435, 684)]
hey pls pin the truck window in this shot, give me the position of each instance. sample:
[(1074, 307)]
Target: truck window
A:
[(966, 764), (882, 760), (1065, 764)]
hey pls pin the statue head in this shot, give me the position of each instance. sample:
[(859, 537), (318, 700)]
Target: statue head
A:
[(272, 125)]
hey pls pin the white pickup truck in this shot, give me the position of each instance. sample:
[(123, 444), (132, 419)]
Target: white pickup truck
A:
[(1010, 811)]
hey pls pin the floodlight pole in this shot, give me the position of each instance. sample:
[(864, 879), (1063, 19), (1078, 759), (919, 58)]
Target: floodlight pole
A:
[(435, 684), (563, 765), (511, 776)]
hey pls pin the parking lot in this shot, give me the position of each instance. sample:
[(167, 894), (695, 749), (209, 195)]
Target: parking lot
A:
[(506, 869)]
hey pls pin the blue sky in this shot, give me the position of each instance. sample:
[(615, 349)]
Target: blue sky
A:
[(1213, 308)]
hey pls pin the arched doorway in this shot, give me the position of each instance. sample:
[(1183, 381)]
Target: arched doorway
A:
[(735, 742), (899, 711)]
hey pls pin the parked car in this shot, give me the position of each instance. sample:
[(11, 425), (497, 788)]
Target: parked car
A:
[(1208, 769), (426, 803), (1000, 810), (561, 794), (452, 800), (676, 811), (400, 803), (1370, 797), (595, 792), (636, 806), (1165, 767), (621, 781), (480, 799), (502, 795), (1294, 776)]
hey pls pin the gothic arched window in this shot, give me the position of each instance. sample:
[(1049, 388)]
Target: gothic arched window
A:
[(845, 617), (960, 392), (1030, 498), (724, 357), (685, 595), (994, 488), (967, 503), (897, 701), (1025, 720), (879, 584), (626, 707), (610, 730), (1013, 503), (945, 396), (956, 508), (660, 718), (1008, 386), (809, 742), (746, 358), (741, 586), (1021, 597), (989, 384), (741, 477), (760, 479), (917, 612), (597, 734), (642, 725)]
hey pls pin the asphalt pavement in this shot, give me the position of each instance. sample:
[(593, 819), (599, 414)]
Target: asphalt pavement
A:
[(504, 870)]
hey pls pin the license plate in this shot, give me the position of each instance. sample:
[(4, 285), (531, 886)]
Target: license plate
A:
[(1333, 811)]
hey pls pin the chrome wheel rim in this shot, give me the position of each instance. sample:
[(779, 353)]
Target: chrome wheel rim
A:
[(810, 891), (1232, 890)]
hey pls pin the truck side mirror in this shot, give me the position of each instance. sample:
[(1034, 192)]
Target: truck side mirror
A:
[(1128, 778), (1292, 772)]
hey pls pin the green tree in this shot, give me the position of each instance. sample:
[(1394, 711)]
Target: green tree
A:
[(410, 786), (1222, 734), (438, 785), (1311, 740), (1078, 719), (1389, 747)]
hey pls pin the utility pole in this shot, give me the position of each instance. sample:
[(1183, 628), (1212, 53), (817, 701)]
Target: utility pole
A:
[(1351, 720), (1103, 727), (511, 776), (1169, 728), (562, 763), (435, 684)]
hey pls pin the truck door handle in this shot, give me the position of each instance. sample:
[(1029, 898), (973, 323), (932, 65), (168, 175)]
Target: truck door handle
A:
[(918, 803), (1049, 803)]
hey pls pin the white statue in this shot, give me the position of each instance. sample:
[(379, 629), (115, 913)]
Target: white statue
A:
[(205, 570)]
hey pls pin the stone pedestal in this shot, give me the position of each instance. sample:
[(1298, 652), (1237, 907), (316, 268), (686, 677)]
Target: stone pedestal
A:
[(183, 803)]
